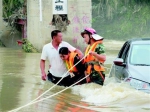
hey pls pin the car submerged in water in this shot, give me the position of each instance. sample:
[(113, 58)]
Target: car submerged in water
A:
[(133, 64)]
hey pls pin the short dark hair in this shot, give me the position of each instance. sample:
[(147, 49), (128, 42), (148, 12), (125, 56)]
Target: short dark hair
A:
[(54, 33), (64, 50)]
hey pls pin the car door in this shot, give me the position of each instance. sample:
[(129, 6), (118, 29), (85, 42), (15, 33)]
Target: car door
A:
[(121, 70)]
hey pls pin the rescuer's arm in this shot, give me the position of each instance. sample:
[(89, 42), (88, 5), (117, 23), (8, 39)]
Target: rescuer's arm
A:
[(42, 66)]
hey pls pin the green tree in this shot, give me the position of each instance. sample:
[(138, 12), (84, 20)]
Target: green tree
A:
[(11, 6), (121, 19)]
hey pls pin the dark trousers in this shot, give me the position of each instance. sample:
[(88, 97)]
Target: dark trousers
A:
[(96, 78), (66, 81), (78, 77)]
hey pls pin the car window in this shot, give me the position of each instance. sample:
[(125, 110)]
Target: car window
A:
[(140, 54), (125, 52), (122, 50)]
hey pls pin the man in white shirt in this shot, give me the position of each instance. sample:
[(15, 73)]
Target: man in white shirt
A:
[(57, 66)]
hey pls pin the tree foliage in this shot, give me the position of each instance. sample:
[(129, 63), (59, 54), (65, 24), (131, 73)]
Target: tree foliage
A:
[(121, 19), (11, 6), (13, 10)]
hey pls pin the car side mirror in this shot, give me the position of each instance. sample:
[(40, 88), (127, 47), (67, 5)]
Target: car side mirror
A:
[(119, 62)]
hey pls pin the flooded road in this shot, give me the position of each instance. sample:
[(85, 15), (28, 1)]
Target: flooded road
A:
[(20, 83)]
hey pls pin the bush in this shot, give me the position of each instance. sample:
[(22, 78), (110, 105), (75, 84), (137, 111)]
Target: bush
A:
[(28, 47)]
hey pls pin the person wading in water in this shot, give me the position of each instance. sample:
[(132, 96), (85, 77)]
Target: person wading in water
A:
[(95, 60), (71, 58)]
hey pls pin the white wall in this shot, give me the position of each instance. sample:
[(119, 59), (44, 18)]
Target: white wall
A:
[(38, 32)]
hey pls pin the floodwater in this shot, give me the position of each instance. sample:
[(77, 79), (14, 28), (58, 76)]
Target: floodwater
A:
[(20, 83)]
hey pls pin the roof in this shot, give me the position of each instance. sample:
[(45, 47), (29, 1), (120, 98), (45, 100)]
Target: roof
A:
[(139, 41)]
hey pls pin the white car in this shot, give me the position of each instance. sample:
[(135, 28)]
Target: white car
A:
[(133, 64)]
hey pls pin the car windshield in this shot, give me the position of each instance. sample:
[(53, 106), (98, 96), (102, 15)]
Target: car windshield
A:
[(140, 55)]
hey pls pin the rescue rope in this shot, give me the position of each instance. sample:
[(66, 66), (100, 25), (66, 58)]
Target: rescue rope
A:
[(52, 86), (34, 101), (61, 78), (15, 110)]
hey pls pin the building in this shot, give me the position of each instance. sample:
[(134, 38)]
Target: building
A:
[(43, 14)]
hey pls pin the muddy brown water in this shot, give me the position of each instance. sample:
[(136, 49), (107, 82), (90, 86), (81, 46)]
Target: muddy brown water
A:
[(20, 83)]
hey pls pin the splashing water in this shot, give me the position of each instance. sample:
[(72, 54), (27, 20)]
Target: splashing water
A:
[(110, 92)]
